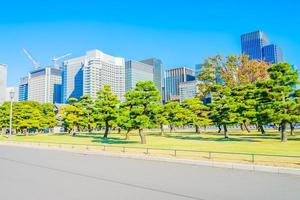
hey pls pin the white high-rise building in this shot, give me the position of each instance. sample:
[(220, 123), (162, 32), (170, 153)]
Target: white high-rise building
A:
[(3, 80), (88, 74), (44, 85)]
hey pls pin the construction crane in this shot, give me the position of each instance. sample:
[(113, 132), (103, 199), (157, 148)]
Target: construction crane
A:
[(55, 59), (34, 62)]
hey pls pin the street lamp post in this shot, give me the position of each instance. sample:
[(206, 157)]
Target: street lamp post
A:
[(11, 95)]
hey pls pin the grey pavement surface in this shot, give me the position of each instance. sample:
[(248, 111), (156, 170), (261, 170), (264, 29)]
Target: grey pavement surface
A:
[(40, 174)]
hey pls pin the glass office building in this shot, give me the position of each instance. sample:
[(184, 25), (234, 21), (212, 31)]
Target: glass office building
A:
[(256, 45), (272, 54), (23, 89), (173, 77), (188, 90), (137, 71), (72, 79), (252, 44), (157, 71)]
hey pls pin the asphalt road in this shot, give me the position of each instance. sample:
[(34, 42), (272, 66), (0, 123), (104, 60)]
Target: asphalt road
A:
[(38, 174)]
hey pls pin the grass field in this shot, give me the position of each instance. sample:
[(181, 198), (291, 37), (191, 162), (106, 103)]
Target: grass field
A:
[(242, 142)]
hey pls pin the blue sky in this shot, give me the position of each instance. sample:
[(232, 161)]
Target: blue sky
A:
[(178, 32)]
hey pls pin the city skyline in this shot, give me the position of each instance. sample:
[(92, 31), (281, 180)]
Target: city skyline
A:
[(183, 39)]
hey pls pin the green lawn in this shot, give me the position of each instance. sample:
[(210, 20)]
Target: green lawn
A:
[(239, 141)]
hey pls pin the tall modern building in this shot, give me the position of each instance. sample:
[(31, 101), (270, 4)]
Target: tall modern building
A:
[(257, 46), (137, 71), (44, 85), (252, 44), (272, 54), (88, 74), (3, 80), (173, 77), (72, 78), (157, 71), (23, 89), (188, 90)]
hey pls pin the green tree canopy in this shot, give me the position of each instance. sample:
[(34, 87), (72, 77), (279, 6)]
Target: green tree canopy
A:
[(106, 108), (142, 102)]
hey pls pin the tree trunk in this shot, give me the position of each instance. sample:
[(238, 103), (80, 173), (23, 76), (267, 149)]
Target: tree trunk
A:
[(73, 132), (142, 136), (261, 129), (161, 130), (292, 128), (225, 131), (246, 127), (241, 125), (106, 130), (283, 132), (197, 129), (89, 128), (219, 129), (171, 128), (127, 134), (205, 128)]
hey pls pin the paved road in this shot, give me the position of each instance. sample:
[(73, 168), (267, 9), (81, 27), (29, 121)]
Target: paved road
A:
[(38, 174)]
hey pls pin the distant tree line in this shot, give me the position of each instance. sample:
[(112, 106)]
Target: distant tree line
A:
[(243, 92), (28, 116)]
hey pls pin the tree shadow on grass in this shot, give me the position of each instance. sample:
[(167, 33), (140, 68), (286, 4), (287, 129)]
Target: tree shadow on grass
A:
[(212, 139), (112, 141), (293, 138), (88, 136), (254, 135), (109, 140)]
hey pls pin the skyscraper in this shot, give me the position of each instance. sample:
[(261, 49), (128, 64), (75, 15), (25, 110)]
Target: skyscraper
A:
[(252, 44), (3, 79), (173, 77), (157, 71), (88, 74), (44, 85), (23, 89), (272, 54), (72, 78), (137, 71), (256, 45)]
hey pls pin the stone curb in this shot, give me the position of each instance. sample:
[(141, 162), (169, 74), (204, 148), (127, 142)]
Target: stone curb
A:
[(233, 166)]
